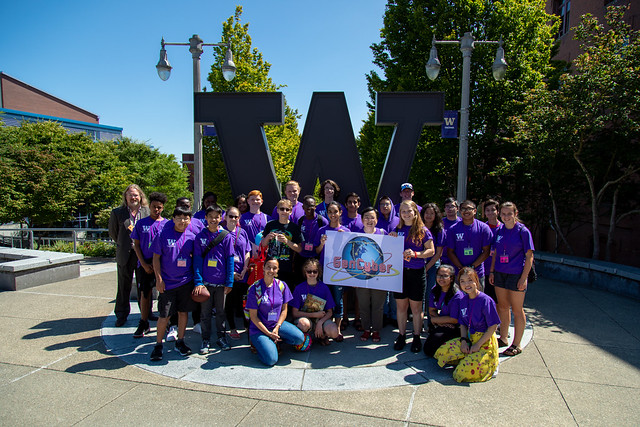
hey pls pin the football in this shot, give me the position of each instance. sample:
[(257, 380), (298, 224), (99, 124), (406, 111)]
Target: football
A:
[(200, 294)]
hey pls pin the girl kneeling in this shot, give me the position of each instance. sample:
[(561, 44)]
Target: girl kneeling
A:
[(312, 305), (476, 351), (267, 301)]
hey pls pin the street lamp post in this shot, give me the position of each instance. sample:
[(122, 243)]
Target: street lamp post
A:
[(499, 68), (164, 72)]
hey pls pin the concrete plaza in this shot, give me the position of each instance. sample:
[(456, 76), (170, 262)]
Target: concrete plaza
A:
[(62, 363)]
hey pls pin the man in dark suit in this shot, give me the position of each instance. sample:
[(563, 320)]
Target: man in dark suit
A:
[(123, 219)]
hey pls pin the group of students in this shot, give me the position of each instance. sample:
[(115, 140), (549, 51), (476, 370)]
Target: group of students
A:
[(446, 259)]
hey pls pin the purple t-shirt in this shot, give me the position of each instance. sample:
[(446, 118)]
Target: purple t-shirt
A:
[(309, 228), (410, 244), (145, 230), (296, 213), (444, 259), (353, 224), (241, 247), (176, 261), (487, 262), (390, 224), (271, 301), (511, 247), (320, 290), (253, 224), (438, 242), (321, 232), (452, 308), (214, 264), (478, 314), (468, 240)]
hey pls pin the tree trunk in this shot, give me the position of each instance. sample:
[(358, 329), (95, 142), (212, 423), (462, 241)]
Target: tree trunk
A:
[(594, 207), (556, 222), (612, 225)]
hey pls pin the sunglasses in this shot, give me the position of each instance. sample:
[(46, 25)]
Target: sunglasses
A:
[(312, 271), (284, 209)]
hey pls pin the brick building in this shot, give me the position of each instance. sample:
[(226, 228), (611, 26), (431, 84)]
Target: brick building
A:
[(21, 102), (570, 13)]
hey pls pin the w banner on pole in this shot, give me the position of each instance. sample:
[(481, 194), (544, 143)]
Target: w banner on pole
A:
[(371, 261), (450, 124)]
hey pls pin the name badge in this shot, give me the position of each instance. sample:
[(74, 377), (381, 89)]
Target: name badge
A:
[(130, 227), (308, 247), (236, 258), (504, 259), (212, 263), (468, 251), (182, 262), (272, 316)]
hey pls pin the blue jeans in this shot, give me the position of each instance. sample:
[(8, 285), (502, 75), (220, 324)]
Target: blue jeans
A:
[(431, 282), (336, 294), (390, 306), (266, 348)]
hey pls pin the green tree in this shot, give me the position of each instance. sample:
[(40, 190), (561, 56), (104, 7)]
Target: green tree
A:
[(152, 170), (409, 26), (252, 75), (590, 125), (48, 176)]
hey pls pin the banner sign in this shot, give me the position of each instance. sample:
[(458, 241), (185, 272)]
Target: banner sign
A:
[(450, 125), (371, 261)]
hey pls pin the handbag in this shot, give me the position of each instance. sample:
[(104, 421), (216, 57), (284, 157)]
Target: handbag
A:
[(256, 266)]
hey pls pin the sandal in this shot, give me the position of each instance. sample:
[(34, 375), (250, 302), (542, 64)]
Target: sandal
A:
[(502, 343), (375, 337), (344, 325), (339, 338), (365, 336), (325, 341), (514, 350), (358, 325)]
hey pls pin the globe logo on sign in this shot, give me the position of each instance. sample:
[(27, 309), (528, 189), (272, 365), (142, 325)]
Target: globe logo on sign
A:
[(362, 256)]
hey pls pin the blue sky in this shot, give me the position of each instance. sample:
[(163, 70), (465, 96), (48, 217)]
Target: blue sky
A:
[(101, 56)]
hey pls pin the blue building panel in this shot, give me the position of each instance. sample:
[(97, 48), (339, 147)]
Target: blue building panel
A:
[(95, 131)]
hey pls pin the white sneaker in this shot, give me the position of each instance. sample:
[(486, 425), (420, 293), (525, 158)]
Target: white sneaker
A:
[(172, 335), (197, 329)]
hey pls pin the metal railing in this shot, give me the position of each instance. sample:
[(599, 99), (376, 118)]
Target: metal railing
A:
[(32, 238)]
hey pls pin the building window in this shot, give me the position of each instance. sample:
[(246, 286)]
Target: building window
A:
[(563, 9)]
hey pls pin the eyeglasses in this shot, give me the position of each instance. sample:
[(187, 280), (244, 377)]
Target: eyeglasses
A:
[(352, 202), (466, 209), (443, 276), (284, 209), (451, 207), (233, 216), (312, 271)]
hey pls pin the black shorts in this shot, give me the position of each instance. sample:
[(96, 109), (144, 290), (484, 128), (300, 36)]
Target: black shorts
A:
[(506, 281), (414, 282), (176, 300), (145, 281)]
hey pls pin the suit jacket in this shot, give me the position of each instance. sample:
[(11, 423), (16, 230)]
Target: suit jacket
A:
[(120, 231)]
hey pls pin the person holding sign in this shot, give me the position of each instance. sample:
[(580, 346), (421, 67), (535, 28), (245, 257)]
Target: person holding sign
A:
[(312, 305), (418, 245), (371, 301), (334, 211)]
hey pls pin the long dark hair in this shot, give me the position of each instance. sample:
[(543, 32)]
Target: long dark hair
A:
[(453, 288), (437, 226)]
